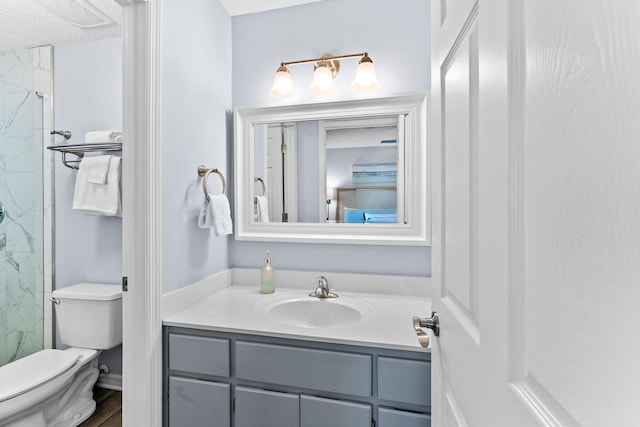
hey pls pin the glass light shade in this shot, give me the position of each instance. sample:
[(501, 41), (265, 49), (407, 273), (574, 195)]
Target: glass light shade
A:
[(366, 78), (282, 84), (322, 81)]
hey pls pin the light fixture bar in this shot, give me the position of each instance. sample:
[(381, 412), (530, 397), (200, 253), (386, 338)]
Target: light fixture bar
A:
[(324, 58), (325, 70)]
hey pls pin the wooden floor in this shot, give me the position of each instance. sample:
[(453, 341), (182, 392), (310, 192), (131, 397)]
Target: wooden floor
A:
[(108, 409)]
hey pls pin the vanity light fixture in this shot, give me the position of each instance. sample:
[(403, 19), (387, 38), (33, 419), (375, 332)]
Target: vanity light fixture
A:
[(282, 84), (325, 70)]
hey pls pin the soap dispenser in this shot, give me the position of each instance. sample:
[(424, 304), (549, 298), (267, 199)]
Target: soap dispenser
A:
[(268, 277)]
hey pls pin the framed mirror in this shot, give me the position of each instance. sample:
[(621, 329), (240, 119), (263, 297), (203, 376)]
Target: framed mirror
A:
[(334, 172)]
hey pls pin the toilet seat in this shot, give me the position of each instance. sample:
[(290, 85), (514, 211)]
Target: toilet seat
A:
[(30, 372)]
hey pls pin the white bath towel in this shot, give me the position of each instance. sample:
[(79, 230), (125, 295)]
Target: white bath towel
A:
[(99, 136), (98, 167), (261, 209), (98, 199), (216, 214)]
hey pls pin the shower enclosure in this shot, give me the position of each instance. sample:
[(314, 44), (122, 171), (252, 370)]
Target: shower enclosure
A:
[(25, 202)]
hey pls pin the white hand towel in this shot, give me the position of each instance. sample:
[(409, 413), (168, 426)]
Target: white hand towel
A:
[(99, 136), (216, 214), (99, 199), (262, 209), (222, 224), (98, 167)]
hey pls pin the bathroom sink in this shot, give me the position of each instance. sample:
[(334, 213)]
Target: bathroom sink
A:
[(310, 312)]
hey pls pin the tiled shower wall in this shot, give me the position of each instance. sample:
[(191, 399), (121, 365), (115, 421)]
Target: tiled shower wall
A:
[(25, 173)]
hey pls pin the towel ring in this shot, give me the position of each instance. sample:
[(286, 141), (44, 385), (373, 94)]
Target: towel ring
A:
[(264, 189), (204, 172)]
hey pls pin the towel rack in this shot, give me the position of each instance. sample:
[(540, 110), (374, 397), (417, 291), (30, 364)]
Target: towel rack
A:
[(79, 151), (264, 189), (204, 172)]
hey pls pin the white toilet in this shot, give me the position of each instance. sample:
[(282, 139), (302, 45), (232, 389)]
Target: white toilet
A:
[(55, 387)]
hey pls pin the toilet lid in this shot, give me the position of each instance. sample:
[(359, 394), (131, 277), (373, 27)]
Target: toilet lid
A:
[(29, 372)]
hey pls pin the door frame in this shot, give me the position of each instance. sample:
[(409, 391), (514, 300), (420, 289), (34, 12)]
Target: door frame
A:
[(142, 212)]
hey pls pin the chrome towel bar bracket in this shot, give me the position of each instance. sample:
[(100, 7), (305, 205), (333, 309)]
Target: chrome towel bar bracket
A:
[(264, 189), (204, 171), (65, 133), (79, 150)]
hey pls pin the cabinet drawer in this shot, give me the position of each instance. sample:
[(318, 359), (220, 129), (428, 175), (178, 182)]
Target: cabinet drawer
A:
[(404, 381), (199, 403), (200, 355), (318, 412), (322, 370), (392, 418), (255, 407)]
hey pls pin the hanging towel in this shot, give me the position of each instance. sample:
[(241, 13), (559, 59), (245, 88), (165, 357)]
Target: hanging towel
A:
[(262, 209), (98, 167), (99, 136), (98, 199), (216, 214)]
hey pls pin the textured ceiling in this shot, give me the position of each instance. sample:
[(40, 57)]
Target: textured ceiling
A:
[(29, 23)]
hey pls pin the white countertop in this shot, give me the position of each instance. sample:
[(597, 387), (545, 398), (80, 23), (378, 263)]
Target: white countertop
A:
[(386, 319)]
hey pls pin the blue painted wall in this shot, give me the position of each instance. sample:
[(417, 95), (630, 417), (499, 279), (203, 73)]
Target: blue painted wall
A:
[(196, 111), (87, 248), (396, 35)]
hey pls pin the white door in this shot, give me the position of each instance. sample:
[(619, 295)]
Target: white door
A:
[(282, 172), (535, 130)]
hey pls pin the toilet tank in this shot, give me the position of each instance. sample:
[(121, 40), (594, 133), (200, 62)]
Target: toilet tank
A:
[(89, 315)]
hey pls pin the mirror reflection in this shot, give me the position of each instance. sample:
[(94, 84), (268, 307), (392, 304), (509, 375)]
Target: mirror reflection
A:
[(352, 172), (329, 171)]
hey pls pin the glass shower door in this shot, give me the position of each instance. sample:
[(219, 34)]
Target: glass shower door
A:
[(21, 230)]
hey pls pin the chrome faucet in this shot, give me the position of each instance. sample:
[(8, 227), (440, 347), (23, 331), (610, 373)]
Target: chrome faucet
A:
[(322, 291)]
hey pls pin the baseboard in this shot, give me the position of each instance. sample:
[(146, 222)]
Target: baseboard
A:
[(110, 381)]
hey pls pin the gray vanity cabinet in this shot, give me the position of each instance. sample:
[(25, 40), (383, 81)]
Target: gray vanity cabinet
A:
[(199, 403), (405, 381), (320, 412), (195, 402), (256, 407), (225, 379), (388, 417), (322, 370)]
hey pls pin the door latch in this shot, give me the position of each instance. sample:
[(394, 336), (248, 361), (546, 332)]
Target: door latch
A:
[(125, 283), (432, 323)]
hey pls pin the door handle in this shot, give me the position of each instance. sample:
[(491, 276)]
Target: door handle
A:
[(432, 323)]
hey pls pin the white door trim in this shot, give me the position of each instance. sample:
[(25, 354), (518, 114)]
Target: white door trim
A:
[(142, 213)]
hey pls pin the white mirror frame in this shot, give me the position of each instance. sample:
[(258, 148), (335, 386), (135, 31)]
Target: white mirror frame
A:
[(417, 230)]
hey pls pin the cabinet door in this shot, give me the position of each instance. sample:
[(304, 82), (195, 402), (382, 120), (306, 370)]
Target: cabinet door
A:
[(322, 370), (200, 355), (256, 407), (406, 381), (318, 412), (388, 417), (199, 403)]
